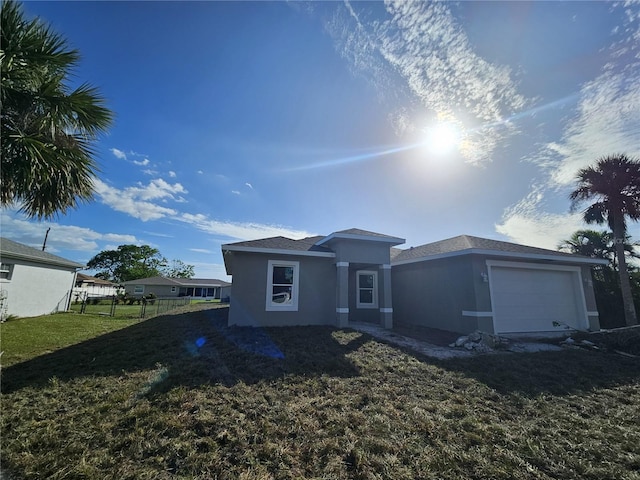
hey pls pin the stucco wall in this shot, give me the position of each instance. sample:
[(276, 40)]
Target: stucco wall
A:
[(36, 289), (359, 251), (317, 292), (434, 294)]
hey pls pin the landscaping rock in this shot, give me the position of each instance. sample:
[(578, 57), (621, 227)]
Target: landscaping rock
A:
[(481, 342)]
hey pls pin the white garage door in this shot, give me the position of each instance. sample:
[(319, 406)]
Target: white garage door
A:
[(530, 299)]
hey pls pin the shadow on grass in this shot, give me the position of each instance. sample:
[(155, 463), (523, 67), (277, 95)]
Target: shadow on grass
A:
[(556, 373), (191, 349)]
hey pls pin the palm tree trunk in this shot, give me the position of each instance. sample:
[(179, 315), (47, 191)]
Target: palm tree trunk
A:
[(625, 285)]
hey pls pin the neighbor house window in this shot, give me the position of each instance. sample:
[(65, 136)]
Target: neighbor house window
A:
[(138, 289), (173, 289), (6, 270), (282, 285), (367, 287)]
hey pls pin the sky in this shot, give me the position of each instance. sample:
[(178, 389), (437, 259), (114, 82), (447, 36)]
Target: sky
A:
[(243, 120)]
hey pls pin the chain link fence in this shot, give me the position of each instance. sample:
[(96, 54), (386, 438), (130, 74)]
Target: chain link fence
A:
[(130, 308)]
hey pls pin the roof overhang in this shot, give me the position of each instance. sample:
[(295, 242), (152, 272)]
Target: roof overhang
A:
[(228, 249), (44, 261), (514, 255)]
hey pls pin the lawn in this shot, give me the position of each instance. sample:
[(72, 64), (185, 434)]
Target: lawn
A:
[(183, 396)]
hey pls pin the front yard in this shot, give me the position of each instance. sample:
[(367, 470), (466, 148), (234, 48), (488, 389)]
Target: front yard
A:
[(182, 396)]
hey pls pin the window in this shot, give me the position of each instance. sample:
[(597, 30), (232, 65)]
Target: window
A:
[(197, 292), (138, 289), (367, 286), (211, 292), (6, 270), (282, 285), (173, 289)]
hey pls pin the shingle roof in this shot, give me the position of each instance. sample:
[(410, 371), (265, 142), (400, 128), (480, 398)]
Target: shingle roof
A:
[(283, 243), (11, 249), (355, 233), (182, 282), (468, 242)]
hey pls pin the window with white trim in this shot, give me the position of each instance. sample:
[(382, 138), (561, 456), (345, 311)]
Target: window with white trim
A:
[(138, 289), (6, 270), (367, 288), (173, 289), (282, 285)]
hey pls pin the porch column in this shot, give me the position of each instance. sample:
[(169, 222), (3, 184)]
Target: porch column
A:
[(342, 294), (386, 309)]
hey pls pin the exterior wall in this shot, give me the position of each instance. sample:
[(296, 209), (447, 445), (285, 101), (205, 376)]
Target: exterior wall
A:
[(94, 290), (161, 291), (36, 289), (434, 294), (317, 292), (370, 315), (361, 251)]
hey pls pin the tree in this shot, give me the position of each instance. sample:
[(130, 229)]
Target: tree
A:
[(614, 186), (130, 262), (178, 269), (48, 128), (597, 244)]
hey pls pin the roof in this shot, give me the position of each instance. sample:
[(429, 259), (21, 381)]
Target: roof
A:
[(181, 282), (467, 244), (11, 249), (359, 234), (82, 278), (279, 243)]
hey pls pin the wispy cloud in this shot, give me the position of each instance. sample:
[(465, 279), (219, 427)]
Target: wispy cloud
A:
[(172, 174), (200, 250), (61, 237), (606, 121), (249, 185), (143, 163), (239, 230), (235, 192), (424, 44), (140, 202)]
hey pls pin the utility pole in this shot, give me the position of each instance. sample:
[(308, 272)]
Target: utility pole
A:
[(44, 244)]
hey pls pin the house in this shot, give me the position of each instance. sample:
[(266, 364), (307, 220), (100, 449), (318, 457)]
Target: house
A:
[(163, 287), (88, 286), (33, 282), (460, 284)]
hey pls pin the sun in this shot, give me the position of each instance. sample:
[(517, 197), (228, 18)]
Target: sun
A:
[(443, 138)]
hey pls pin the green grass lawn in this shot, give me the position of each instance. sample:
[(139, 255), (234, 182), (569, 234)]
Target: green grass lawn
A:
[(184, 397)]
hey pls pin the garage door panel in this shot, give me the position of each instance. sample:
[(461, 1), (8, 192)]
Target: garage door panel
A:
[(530, 300)]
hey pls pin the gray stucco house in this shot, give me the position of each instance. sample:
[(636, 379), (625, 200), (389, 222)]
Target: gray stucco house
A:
[(162, 287), (460, 284)]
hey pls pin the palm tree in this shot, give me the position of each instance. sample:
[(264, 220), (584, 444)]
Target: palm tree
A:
[(47, 127), (614, 184), (597, 244)]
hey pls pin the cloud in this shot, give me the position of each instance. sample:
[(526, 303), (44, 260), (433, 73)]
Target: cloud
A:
[(200, 172), (235, 192), (172, 174), (240, 230), (200, 250), (118, 153), (423, 45), (136, 201), (249, 185), (61, 237), (527, 223), (142, 163), (150, 172)]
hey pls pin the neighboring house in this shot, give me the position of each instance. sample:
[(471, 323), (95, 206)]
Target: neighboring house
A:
[(33, 282), (162, 287), (461, 284), (88, 286)]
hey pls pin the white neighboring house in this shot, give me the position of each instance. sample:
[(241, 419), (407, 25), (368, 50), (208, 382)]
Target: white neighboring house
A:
[(88, 286), (33, 282)]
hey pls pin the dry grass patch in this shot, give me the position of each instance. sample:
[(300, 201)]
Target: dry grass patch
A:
[(183, 396)]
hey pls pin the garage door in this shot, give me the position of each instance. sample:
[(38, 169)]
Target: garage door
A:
[(530, 299)]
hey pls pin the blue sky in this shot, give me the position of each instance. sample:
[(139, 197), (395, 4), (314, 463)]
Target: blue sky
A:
[(243, 120)]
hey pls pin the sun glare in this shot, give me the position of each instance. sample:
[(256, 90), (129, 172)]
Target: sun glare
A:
[(443, 138)]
